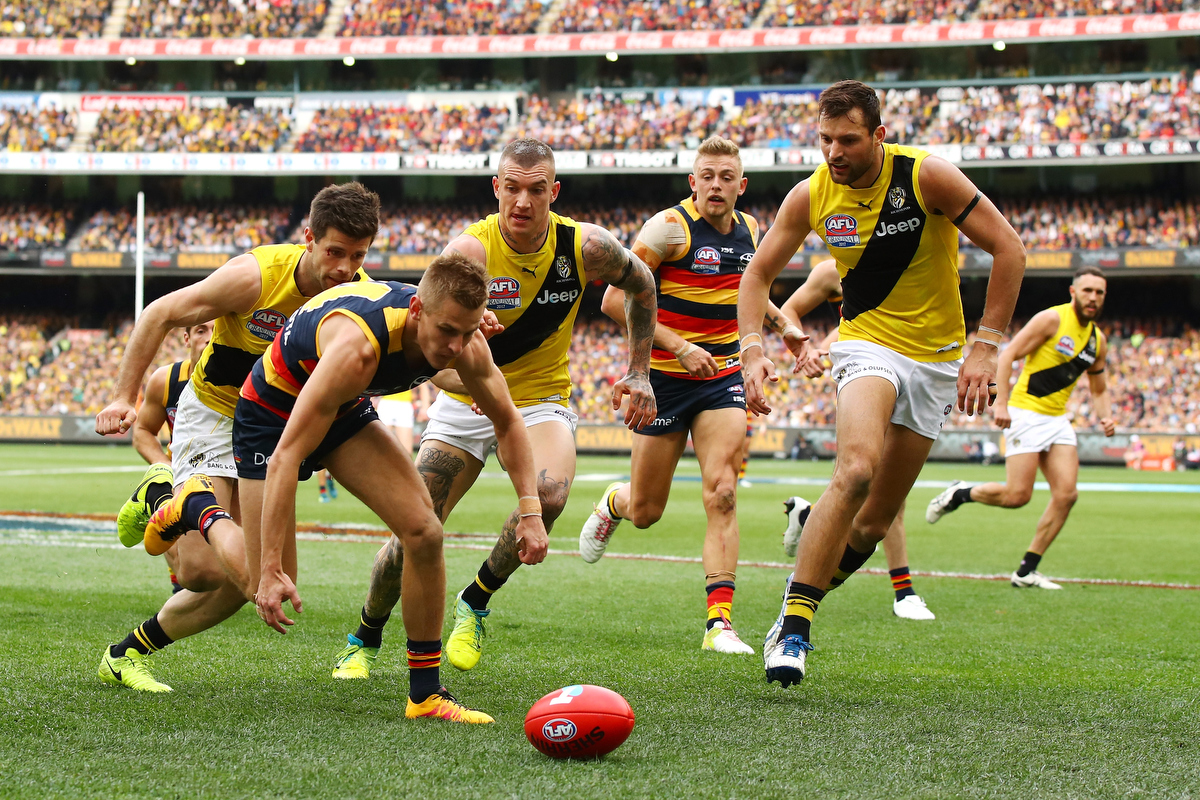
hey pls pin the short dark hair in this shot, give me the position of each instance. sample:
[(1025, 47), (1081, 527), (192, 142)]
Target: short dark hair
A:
[(453, 275), (845, 96), (350, 208), (1079, 273), (526, 153)]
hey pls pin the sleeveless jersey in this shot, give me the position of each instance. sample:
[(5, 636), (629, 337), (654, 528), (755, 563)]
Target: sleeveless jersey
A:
[(697, 294), (402, 397), (239, 339), (177, 378), (898, 261), (1052, 370), (380, 310), (536, 297)]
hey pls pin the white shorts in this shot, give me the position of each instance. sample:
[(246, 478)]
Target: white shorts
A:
[(1031, 432), (925, 391), (395, 413), (202, 441), (453, 422)]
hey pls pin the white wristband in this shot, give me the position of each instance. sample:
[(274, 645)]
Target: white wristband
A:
[(792, 330), (687, 348)]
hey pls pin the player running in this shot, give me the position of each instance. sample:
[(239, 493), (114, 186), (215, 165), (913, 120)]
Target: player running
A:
[(699, 249), (539, 264), (249, 298), (159, 404), (890, 215), (823, 284), (1059, 345)]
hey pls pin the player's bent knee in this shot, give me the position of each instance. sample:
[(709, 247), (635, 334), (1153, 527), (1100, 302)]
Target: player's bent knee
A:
[(1067, 499), (423, 538), (1016, 499), (200, 577), (721, 497), (645, 515), (853, 478), (551, 509)]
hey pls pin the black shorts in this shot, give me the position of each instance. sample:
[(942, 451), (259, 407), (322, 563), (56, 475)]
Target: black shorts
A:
[(681, 399), (256, 433)]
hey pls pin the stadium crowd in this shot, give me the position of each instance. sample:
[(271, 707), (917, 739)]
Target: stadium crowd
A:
[(28, 128), (53, 19), (1104, 221), (443, 17), (33, 226), (365, 129), (869, 12), (224, 19), (586, 16), (189, 229), (236, 129)]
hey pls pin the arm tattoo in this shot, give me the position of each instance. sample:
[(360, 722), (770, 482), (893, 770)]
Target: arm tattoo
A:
[(384, 593), (439, 469), (775, 320)]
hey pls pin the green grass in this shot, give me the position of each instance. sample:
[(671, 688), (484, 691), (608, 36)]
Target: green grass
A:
[(1087, 692)]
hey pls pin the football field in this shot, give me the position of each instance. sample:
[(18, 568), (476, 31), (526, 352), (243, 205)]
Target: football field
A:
[(1087, 692)]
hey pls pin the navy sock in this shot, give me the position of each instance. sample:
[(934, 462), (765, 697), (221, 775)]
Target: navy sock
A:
[(851, 561), (802, 602), (145, 638), (959, 497), (157, 494), (1028, 564), (424, 679), (370, 629), (480, 591)]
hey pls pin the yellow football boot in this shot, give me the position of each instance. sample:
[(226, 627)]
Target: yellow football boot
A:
[(442, 705), (135, 514), (129, 670), (465, 645), (167, 524), (355, 660)]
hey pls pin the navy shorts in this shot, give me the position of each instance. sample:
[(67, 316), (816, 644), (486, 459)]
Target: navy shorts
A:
[(681, 399), (256, 433)]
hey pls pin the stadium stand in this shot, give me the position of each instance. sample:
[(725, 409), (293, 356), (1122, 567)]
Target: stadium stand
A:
[(237, 129), (28, 128), (35, 226), (588, 16), (224, 19), (866, 12), (450, 129), (53, 19), (188, 229), (448, 17)]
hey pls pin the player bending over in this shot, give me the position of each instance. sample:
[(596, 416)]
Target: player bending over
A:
[(1059, 345), (890, 215)]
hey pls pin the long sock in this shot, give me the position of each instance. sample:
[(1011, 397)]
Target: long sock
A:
[(959, 497), (720, 603), (175, 587), (157, 494), (901, 582), (742, 468), (851, 561), (802, 602), (370, 629), (145, 638), (1029, 563), (486, 583), (201, 510), (423, 677), (612, 505)]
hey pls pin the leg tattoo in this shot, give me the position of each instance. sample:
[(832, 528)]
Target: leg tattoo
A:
[(384, 593), (439, 469), (553, 495), (504, 559)]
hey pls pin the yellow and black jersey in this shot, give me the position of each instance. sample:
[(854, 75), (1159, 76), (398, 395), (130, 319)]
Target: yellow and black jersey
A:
[(177, 378), (898, 261), (380, 309), (536, 298), (1051, 371), (239, 339), (697, 293)]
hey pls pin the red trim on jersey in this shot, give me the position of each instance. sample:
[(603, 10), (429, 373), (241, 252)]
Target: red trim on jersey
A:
[(689, 278), (690, 324), (281, 367), (253, 396)]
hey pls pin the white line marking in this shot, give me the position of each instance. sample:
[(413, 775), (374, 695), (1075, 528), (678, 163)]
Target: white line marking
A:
[(18, 473)]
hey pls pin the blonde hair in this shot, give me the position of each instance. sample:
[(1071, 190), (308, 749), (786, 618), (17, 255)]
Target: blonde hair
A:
[(718, 146), (453, 275)]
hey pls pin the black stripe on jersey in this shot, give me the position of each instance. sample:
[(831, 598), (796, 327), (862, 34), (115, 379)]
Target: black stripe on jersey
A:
[(1056, 378), (536, 325), (691, 308), (175, 385), (228, 366), (888, 254)]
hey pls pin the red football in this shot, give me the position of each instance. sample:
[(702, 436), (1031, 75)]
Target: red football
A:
[(579, 722)]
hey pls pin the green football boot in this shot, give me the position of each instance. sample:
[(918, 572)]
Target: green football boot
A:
[(355, 660), (129, 670), (465, 645), (134, 516)]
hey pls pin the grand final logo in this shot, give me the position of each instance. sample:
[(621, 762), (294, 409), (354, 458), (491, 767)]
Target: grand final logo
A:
[(1066, 346), (707, 261), (504, 294), (841, 230), (266, 323)]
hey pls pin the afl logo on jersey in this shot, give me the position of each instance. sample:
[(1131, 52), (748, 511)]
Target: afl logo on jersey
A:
[(841, 230), (266, 323), (707, 261), (1066, 346), (504, 294)]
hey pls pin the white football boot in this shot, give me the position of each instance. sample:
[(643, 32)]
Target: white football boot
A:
[(777, 626), (939, 506), (1034, 580), (912, 607), (593, 539), (793, 507), (785, 662), (722, 638)]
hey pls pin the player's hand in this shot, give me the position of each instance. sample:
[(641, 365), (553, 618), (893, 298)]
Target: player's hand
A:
[(475, 407), (117, 417), (490, 325), (757, 369), (976, 378), (1109, 425), (814, 366), (642, 408), (273, 588), (1001, 415), (698, 362), (532, 541), (797, 343)]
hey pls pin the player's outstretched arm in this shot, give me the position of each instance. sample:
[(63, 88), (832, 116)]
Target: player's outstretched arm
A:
[(347, 364), (1035, 334), (1098, 386), (777, 248), (489, 390), (605, 259), (234, 287), (946, 190), (151, 417)]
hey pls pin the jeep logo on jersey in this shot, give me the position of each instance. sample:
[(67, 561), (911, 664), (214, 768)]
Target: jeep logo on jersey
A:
[(504, 294), (707, 261), (1066, 346), (891, 228), (559, 730), (841, 230), (897, 197), (563, 265), (558, 297), (266, 323)]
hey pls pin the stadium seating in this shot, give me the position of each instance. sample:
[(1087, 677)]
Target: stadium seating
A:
[(28, 128), (53, 19), (789, 13), (451, 129), (224, 20), (236, 129), (32, 227), (189, 229), (449, 17), (656, 15)]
